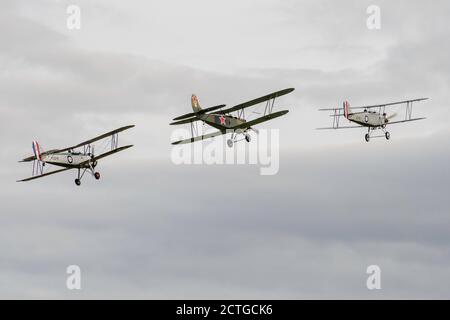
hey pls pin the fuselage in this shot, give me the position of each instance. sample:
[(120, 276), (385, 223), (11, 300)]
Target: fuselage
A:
[(368, 119), (220, 121), (68, 159)]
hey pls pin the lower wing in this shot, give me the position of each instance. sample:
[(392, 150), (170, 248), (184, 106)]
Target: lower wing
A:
[(199, 138), (44, 175), (103, 155), (354, 127), (402, 121), (334, 128), (268, 117)]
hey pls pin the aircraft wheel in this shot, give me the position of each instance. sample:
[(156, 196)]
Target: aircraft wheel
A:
[(77, 182), (248, 138), (388, 135), (367, 137), (230, 143), (97, 175)]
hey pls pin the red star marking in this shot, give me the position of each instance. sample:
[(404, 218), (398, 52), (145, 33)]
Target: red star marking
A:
[(222, 120)]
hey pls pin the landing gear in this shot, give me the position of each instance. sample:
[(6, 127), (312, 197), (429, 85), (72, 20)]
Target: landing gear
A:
[(82, 171), (230, 143), (386, 134), (248, 138)]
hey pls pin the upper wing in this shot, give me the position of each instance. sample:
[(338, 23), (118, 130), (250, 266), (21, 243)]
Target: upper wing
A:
[(103, 136), (268, 117), (44, 175), (192, 114), (376, 105), (206, 136), (389, 104), (257, 101)]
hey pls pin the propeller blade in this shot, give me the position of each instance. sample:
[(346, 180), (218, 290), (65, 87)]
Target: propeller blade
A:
[(392, 116), (255, 130)]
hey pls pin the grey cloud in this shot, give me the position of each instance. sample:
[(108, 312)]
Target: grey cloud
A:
[(151, 229)]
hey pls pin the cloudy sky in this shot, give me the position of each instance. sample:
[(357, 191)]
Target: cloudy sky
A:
[(153, 229)]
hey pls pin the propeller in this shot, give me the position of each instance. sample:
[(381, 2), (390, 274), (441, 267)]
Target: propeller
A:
[(391, 116), (255, 130)]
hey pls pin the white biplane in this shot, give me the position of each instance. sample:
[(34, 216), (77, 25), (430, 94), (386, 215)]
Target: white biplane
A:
[(69, 158), (373, 117)]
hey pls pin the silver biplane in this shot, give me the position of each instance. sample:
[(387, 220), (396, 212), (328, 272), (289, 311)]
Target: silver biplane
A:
[(373, 117), (225, 121), (83, 159)]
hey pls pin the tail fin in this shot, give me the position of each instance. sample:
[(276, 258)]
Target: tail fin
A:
[(195, 105), (36, 150), (346, 109)]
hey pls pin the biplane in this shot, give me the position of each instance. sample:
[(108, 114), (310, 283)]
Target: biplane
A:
[(225, 121), (80, 157), (373, 117)]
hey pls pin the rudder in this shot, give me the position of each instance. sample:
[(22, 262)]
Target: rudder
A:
[(195, 104), (36, 150)]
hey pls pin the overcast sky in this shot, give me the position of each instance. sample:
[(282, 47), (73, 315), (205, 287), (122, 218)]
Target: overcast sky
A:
[(153, 229)]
